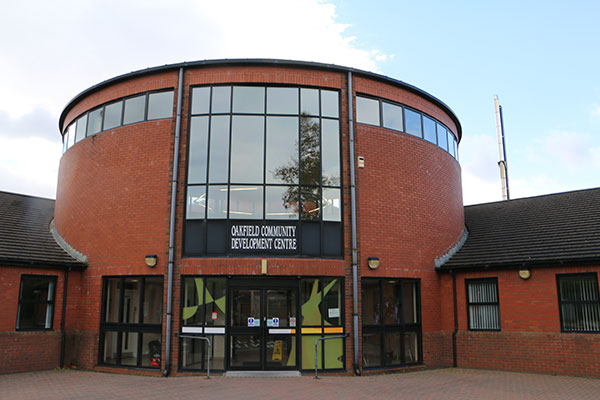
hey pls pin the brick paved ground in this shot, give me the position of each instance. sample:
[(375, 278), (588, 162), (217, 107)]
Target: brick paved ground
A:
[(449, 384)]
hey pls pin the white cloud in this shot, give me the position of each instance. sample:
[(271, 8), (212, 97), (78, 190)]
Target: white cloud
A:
[(575, 151), (480, 173), (595, 113), (65, 46)]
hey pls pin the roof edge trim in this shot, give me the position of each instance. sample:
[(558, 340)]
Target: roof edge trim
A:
[(260, 61), (70, 250), (440, 261)]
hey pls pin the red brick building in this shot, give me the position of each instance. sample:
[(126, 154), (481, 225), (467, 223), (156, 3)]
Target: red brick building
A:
[(274, 206)]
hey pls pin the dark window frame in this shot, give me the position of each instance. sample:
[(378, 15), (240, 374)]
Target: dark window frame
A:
[(402, 328), (124, 327), (47, 278), (592, 275), (102, 106), (470, 281), (404, 108), (299, 222)]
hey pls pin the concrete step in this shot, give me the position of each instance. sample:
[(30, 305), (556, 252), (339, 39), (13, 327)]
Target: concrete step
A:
[(262, 373)]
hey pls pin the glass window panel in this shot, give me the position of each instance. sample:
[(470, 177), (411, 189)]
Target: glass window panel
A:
[(153, 300), (413, 122), (151, 350), (196, 202), (393, 348), (218, 167), (95, 121), (391, 303), (194, 353), (109, 355), (246, 202), (286, 357), (311, 300), (65, 140), (129, 348), (332, 205), (334, 353), (217, 202), (200, 100), (36, 308), (455, 143), (282, 150), (429, 130), (81, 127), (248, 99), (411, 347), (111, 304), (282, 100), (311, 203), (450, 145), (245, 303), (282, 202), (160, 105), (131, 301), (392, 116), (112, 115), (331, 308), (214, 302), (71, 138), (409, 302), (372, 350), (247, 149), (367, 111), (309, 101), (198, 150), (193, 294), (308, 352), (330, 152), (310, 151), (329, 104), (371, 302), (221, 99), (135, 108), (442, 137)]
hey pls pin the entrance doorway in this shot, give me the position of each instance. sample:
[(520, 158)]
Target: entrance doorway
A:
[(263, 333)]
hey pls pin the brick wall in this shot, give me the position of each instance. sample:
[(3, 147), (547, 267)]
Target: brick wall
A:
[(530, 338), (33, 350)]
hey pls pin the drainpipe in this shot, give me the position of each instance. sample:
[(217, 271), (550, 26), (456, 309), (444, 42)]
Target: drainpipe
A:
[(172, 227), (62, 321), (454, 361), (354, 241)]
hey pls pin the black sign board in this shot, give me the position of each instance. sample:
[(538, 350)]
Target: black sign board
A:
[(263, 237)]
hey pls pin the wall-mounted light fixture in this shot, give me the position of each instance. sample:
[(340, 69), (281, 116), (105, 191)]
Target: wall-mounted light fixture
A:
[(525, 273), (151, 260), (373, 262)]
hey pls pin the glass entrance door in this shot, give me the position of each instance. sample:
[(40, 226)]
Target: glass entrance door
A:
[(262, 331)]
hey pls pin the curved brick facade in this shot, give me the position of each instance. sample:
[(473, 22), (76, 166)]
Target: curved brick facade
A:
[(114, 190)]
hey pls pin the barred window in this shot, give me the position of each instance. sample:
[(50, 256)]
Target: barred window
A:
[(579, 302), (482, 304)]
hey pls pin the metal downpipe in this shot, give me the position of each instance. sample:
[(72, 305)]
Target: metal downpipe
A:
[(354, 240), (172, 227)]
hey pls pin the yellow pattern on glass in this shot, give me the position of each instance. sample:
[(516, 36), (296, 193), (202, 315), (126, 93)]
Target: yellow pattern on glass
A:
[(310, 310), (189, 312)]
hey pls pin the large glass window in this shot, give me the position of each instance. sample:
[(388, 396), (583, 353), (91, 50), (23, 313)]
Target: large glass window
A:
[(36, 302), (203, 315), (131, 324), (95, 121), (482, 304), (390, 116), (275, 156), (391, 322), (579, 302), (112, 115)]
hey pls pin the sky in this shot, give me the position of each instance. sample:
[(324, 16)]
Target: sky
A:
[(540, 57)]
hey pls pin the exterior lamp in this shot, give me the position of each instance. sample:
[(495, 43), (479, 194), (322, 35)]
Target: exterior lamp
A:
[(373, 262), (151, 260), (525, 273)]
